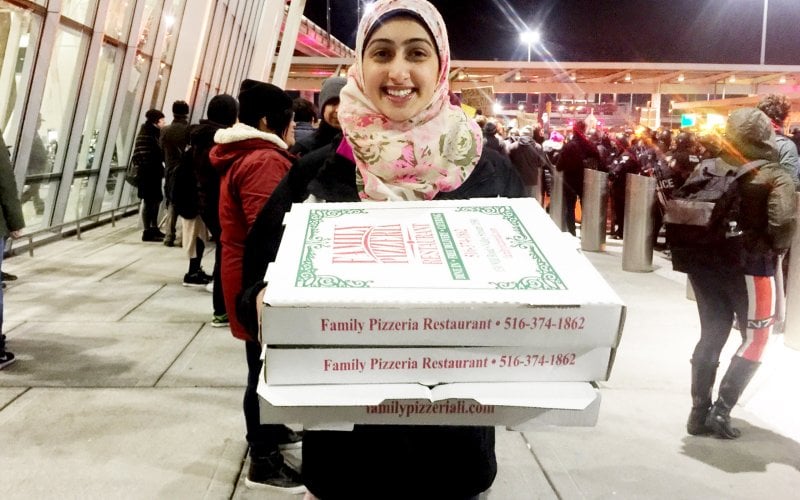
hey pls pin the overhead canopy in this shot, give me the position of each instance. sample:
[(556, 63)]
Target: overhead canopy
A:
[(586, 77)]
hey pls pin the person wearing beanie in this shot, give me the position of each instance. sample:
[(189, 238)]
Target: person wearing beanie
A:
[(329, 128), (174, 138), (252, 157), (149, 158)]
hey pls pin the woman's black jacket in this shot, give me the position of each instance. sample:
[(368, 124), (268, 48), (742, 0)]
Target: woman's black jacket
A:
[(386, 461)]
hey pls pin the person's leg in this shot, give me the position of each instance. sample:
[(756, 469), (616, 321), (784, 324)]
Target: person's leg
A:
[(267, 467), (150, 220), (755, 309), (716, 317), (6, 357), (172, 217), (570, 199), (218, 299)]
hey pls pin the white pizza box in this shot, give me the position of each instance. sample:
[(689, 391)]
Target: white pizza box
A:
[(490, 271), (433, 365), (517, 405)]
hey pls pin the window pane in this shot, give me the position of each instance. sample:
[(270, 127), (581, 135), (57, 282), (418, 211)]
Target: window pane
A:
[(173, 15), (118, 20), (114, 185), (79, 10), (60, 93), (34, 198), (130, 108), (34, 194), (80, 198), (100, 107), (19, 36), (149, 28), (160, 90)]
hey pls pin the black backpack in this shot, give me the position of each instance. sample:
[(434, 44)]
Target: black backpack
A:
[(185, 189), (701, 217)]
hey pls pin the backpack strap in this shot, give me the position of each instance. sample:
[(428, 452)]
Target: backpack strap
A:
[(749, 167)]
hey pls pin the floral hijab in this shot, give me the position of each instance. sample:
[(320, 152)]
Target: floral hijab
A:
[(434, 151)]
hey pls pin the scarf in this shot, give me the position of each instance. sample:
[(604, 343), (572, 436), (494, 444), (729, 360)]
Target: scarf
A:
[(434, 151)]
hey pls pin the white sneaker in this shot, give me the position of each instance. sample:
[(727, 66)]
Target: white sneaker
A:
[(210, 287)]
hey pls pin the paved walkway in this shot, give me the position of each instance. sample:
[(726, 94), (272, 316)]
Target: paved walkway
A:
[(123, 389)]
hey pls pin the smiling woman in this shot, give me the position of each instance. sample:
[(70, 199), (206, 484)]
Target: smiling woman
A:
[(402, 140)]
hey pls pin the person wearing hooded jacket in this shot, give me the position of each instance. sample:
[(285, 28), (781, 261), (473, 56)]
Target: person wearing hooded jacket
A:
[(390, 461), (329, 128), (738, 279), (252, 156), (529, 160)]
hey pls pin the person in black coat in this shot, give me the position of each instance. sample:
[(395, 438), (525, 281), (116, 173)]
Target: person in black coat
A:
[(390, 461), (529, 159), (577, 154), (149, 157)]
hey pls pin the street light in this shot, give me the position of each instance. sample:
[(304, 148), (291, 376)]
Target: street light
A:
[(530, 38)]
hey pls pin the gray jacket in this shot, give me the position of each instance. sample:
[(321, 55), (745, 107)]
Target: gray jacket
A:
[(788, 157)]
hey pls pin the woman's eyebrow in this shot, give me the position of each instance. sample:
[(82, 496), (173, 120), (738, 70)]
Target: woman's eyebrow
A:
[(405, 42)]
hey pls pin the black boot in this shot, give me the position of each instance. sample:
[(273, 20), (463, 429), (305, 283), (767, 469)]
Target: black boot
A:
[(703, 375), (733, 383)]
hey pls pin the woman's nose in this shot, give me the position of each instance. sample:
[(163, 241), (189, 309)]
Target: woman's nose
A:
[(399, 70)]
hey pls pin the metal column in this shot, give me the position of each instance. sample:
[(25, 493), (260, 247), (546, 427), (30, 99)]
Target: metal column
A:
[(594, 207), (557, 199), (637, 247)]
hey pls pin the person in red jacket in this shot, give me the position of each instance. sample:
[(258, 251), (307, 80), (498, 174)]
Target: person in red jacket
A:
[(252, 157)]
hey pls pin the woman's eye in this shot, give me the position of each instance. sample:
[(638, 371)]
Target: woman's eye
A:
[(418, 54), (381, 54)]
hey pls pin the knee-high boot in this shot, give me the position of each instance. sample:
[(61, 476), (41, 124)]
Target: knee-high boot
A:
[(703, 375), (733, 384)]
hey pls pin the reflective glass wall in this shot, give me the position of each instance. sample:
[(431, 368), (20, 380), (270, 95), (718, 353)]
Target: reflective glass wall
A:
[(76, 77)]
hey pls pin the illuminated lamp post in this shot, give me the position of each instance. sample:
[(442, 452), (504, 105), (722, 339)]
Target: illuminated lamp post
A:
[(530, 38)]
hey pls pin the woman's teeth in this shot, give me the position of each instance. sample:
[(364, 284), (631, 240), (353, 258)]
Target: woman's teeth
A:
[(398, 93)]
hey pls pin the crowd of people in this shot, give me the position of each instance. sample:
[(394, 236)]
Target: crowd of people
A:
[(232, 177)]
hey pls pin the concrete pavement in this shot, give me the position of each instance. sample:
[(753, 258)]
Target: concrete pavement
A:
[(122, 389)]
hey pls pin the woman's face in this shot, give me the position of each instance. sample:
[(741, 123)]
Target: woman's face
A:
[(401, 68)]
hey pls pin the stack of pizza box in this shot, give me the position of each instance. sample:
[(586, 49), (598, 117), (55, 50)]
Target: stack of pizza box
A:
[(463, 312)]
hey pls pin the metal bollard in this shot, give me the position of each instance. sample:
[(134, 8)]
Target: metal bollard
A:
[(594, 205), (637, 244), (791, 324), (557, 200), (536, 189)]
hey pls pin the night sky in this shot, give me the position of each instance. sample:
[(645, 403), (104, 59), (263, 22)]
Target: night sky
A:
[(700, 31)]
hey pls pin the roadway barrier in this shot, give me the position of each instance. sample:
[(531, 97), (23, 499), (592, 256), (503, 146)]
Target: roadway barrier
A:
[(637, 237), (594, 207)]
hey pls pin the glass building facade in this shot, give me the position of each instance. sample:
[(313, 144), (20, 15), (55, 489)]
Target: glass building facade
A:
[(76, 77)]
